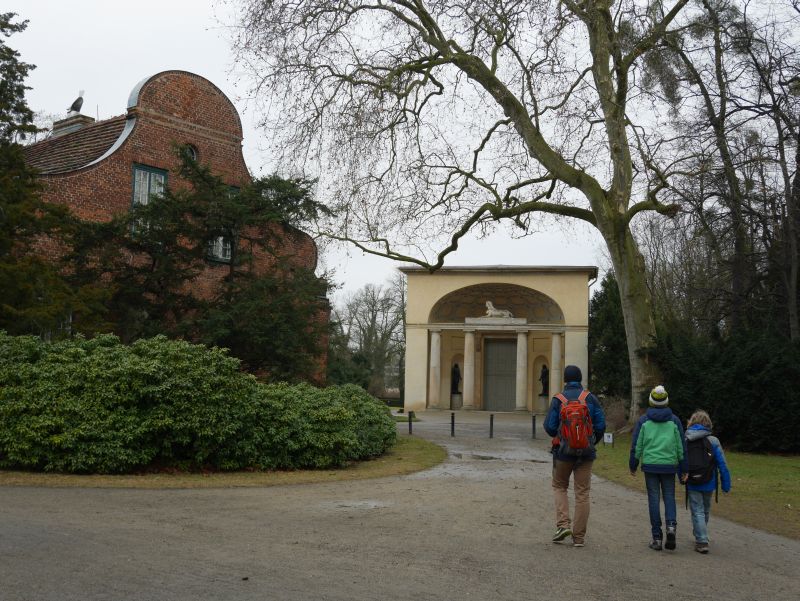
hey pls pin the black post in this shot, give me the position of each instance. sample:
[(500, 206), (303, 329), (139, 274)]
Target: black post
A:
[(452, 424), (410, 418), (533, 426), (491, 425)]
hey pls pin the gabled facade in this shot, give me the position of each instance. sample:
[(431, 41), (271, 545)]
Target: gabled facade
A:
[(102, 168)]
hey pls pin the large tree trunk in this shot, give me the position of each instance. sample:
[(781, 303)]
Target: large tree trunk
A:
[(637, 311)]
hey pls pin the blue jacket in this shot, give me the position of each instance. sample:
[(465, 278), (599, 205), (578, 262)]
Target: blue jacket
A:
[(694, 433), (657, 414), (572, 391)]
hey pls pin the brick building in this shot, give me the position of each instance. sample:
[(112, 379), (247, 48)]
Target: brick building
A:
[(102, 168)]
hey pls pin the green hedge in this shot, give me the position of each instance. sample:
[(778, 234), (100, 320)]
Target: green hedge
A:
[(98, 406), (748, 384)]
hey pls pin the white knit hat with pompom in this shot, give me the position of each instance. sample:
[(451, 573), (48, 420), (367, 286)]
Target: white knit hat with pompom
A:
[(659, 397)]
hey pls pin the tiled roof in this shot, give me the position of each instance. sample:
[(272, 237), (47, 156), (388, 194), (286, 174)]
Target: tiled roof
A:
[(74, 150)]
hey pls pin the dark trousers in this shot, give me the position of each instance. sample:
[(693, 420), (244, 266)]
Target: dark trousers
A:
[(660, 485)]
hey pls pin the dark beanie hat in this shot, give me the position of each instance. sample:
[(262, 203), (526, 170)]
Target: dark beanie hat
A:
[(572, 373)]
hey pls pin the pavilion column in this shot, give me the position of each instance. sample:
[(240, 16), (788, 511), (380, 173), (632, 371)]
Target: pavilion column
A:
[(522, 371), (556, 369), (435, 369), (469, 369), (576, 351)]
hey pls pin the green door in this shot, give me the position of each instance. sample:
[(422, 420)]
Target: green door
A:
[(499, 374)]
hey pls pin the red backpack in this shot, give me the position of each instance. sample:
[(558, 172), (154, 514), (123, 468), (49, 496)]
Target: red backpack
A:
[(576, 431)]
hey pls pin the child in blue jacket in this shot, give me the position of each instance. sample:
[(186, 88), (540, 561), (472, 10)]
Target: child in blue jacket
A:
[(699, 427)]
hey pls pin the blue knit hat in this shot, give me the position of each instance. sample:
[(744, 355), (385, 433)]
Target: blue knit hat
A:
[(572, 373)]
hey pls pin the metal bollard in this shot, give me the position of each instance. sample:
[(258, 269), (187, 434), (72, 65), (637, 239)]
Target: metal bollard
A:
[(533, 426), (491, 425), (452, 424), (410, 419)]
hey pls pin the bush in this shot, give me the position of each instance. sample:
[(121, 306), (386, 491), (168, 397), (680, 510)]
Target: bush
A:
[(102, 407)]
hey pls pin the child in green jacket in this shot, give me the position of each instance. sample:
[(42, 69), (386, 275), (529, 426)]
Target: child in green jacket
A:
[(659, 445)]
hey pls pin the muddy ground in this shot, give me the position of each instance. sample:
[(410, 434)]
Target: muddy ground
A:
[(476, 527)]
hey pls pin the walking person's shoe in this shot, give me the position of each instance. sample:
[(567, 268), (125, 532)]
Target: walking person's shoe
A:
[(561, 534), (577, 543), (701, 548), (656, 544), (670, 544)]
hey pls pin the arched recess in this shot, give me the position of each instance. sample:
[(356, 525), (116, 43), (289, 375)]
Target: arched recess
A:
[(470, 301), (540, 401), (456, 386)]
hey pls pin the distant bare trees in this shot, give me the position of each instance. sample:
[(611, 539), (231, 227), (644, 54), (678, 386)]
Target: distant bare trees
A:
[(732, 77), (371, 323)]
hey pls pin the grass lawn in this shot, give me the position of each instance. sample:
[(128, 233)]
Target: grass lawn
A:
[(765, 490), (408, 455), (403, 418)]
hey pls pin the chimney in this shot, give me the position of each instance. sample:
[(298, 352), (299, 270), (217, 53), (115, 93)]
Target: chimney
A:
[(72, 122)]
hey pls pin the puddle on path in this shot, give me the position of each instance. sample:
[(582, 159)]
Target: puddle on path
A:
[(363, 504)]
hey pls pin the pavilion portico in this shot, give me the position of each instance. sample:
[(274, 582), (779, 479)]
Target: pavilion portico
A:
[(461, 354)]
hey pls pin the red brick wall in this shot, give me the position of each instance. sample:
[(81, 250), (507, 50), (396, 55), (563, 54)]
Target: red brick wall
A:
[(173, 107)]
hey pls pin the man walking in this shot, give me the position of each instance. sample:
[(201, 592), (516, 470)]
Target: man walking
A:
[(576, 422)]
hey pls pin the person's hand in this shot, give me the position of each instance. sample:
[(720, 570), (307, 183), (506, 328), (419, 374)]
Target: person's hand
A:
[(684, 478)]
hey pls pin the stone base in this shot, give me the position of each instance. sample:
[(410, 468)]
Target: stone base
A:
[(496, 321), (456, 401)]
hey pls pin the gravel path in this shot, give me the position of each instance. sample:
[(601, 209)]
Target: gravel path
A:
[(475, 527)]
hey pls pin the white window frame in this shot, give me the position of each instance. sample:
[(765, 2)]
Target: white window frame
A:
[(147, 181)]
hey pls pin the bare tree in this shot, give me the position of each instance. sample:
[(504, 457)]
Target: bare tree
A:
[(373, 320), (428, 119), (729, 78)]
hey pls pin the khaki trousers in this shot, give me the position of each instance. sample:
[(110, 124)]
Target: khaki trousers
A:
[(581, 478)]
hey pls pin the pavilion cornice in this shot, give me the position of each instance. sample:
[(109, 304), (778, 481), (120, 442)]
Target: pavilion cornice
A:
[(527, 327)]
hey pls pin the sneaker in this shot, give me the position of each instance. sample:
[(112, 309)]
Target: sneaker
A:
[(656, 544), (701, 548), (577, 543), (561, 534), (670, 544)]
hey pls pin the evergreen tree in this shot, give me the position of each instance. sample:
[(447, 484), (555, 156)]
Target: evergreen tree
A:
[(151, 257), (35, 297), (607, 346), (271, 322)]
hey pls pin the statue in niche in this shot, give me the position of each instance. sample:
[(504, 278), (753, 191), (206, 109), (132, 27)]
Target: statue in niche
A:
[(544, 378), (455, 378), (492, 312)]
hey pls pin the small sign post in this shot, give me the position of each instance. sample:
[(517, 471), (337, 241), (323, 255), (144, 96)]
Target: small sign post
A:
[(608, 438)]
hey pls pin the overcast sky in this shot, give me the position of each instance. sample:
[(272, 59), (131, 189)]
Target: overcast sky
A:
[(106, 47)]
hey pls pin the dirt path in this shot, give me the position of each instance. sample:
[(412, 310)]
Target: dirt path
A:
[(476, 527)]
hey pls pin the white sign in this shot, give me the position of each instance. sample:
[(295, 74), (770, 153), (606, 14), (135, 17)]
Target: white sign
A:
[(608, 438)]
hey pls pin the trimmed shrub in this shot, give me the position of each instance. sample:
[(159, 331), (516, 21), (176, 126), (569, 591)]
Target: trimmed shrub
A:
[(103, 407)]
